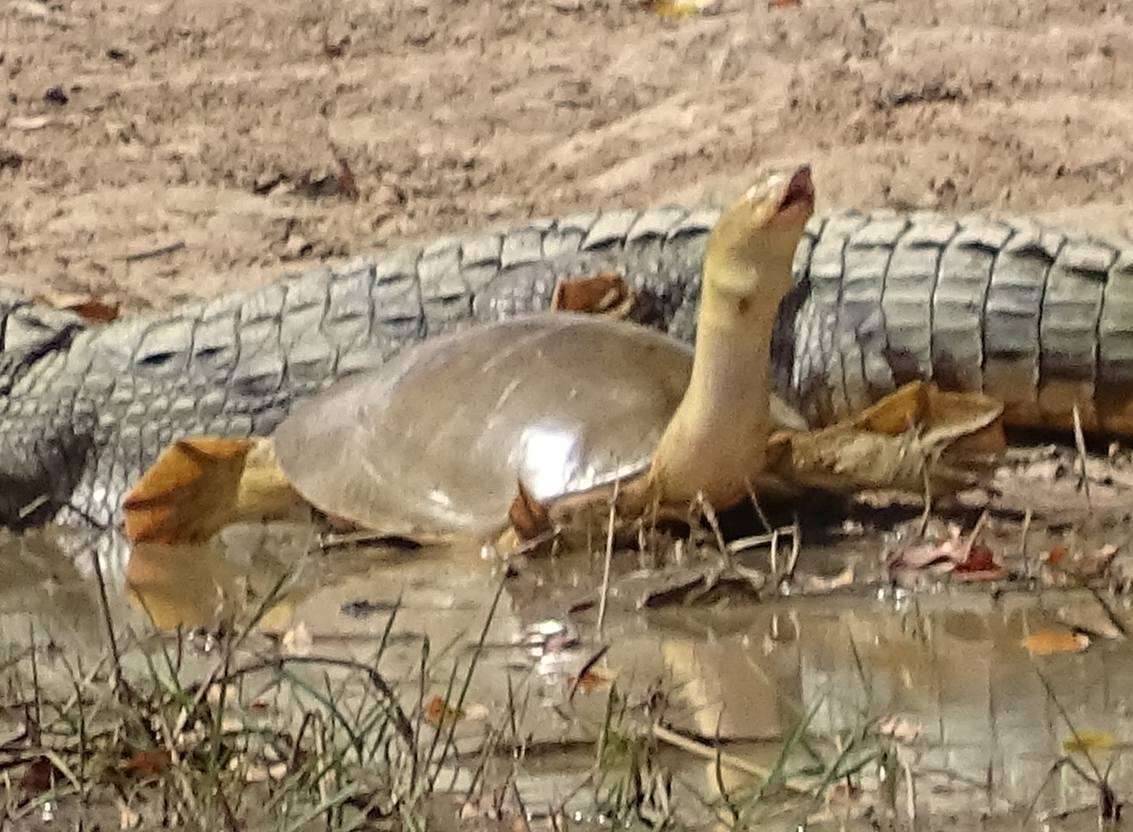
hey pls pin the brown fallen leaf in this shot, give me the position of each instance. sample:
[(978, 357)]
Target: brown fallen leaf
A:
[(594, 679), (914, 434), (148, 763), (783, 4), (438, 713), (1050, 642), (189, 493), (88, 307), (528, 517), (603, 294), (1056, 556), (347, 186), (38, 777)]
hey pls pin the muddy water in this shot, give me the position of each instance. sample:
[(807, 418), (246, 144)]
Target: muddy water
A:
[(947, 664)]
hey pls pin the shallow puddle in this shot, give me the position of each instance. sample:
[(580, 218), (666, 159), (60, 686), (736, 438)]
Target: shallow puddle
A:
[(944, 669)]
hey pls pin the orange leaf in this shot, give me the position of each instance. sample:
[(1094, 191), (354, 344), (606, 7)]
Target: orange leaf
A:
[(528, 517), (1057, 555), (148, 763), (1049, 642), (591, 680), (437, 712), (604, 294), (88, 307), (980, 559), (189, 493)]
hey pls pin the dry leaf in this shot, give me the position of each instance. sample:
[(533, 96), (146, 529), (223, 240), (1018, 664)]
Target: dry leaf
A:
[(676, 9), (149, 763), (200, 484), (1083, 742), (1050, 642), (593, 679), (528, 517), (347, 186), (38, 777), (88, 307), (783, 4), (189, 493), (1057, 555), (438, 713), (970, 560), (914, 433), (604, 294)]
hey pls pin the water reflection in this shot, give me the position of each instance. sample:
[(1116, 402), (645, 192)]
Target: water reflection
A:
[(951, 663)]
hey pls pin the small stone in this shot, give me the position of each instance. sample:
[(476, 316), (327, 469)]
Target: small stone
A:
[(56, 95), (296, 247)]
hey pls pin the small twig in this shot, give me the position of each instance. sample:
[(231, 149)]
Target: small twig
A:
[(713, 523), (911, 795), (593, 660), (609, 558), (796, 548), (1024, 539), (706, 752), (120, 686), (758, 508), (926, 515), (1080, 442), (971, 541), (149, 254)]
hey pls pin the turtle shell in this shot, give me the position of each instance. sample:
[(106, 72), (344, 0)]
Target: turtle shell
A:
[(435, 442)]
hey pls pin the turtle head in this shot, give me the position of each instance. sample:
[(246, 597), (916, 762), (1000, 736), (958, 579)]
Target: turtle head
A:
[(753, 244)]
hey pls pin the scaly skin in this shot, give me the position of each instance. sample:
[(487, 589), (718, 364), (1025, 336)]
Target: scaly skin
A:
[(880, 299)]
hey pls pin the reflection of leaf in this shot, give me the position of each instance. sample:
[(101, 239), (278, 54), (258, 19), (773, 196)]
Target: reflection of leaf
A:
[(1057, 555), (1050, 642), (1083, 742), (604, 294), (88, 307)]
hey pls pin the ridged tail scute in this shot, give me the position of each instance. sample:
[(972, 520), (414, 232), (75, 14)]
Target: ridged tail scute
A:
[(1039, 318)]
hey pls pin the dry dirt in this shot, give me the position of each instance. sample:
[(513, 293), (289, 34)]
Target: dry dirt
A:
[(215, 126)]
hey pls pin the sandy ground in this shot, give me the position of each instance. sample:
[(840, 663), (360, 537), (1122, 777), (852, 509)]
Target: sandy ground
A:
[(219, 128)]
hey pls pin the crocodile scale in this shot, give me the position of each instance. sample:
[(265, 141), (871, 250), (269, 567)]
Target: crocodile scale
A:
[(1038, 317)]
